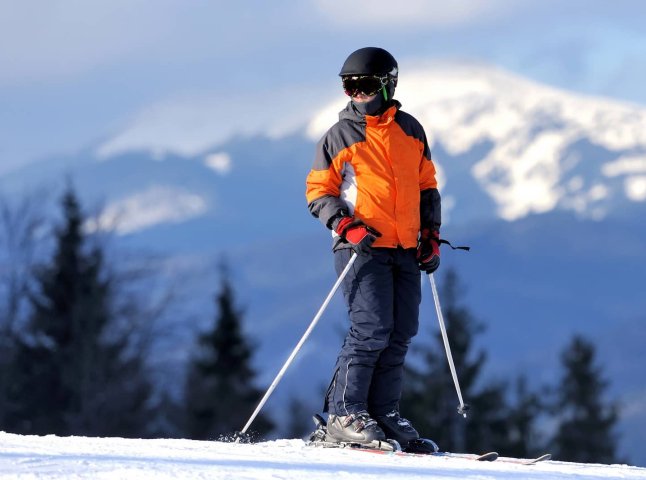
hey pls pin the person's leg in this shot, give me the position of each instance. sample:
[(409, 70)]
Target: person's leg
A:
[(387, 380), (368, 292)]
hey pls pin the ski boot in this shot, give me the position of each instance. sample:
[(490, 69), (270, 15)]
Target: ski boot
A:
[(354, 428), (319, 436), (400, 429), (369, 437)]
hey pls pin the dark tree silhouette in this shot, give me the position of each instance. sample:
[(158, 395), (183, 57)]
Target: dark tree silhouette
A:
[(20, 221), (73, 371), (528, 408), (585, 431), (220, 391)]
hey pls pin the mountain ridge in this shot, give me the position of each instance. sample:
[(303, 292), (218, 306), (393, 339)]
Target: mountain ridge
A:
[(505, 147)]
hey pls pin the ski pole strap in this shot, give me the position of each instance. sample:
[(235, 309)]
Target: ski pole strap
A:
[(441, 240)]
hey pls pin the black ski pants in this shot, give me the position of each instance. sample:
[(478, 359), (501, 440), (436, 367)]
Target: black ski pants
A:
[(382, 292)]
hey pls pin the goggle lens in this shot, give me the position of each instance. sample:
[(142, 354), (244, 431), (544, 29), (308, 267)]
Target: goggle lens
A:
[(368, 85)]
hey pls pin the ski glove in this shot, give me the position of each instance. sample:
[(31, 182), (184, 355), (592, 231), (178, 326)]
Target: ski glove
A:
[(428, 251), (359, 235)]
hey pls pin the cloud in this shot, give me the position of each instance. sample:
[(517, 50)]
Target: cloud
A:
[(70, 70), (42, 41), (636, 188), (369, 14), (219, 162), (190, 124), (58, 38)]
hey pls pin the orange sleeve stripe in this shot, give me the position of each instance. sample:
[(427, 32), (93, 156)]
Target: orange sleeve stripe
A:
[(321, 183), (326, 182)]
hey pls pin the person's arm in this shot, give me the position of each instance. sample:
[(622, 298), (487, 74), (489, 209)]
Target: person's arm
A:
[(323, 187), (430, 209)]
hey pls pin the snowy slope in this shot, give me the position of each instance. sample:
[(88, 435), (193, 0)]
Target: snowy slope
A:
[(51, 457)]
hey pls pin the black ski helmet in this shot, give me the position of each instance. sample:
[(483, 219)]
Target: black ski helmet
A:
[(370, 61), (373, 61)]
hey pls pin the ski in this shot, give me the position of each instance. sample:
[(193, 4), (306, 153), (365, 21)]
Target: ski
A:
[(526, 461), (387, 448), (485, 457), (418, 448), (491, 456)]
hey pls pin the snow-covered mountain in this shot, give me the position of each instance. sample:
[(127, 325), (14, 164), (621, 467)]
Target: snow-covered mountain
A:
[(506, 148), (526, 147), (548, 187)]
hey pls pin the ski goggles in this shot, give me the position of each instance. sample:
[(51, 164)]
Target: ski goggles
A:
[(367, 84)]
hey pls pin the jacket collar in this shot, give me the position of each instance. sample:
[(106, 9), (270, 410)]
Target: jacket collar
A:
[(350, 113)]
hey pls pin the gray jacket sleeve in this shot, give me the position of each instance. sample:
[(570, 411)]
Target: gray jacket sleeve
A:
[(430, 209), (328, 209)]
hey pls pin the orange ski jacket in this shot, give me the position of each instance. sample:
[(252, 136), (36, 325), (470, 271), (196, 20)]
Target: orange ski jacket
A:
[(379, 169)]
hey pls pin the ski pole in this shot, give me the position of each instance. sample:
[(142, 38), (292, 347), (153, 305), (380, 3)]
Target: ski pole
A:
[(462, 409), (282, 371)]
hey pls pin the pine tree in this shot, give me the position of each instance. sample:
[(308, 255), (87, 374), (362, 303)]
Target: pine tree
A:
[(586, 428), (525, 440), (72, 371), (20, 221), (220, 395)]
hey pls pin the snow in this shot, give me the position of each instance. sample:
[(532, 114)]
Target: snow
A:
[(189, 125), (156, 204), (51, 457)]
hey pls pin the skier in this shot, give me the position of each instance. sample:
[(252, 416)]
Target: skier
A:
[(373, 184)]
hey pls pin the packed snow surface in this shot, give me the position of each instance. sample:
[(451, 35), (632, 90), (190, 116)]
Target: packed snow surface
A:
[(52, 457)]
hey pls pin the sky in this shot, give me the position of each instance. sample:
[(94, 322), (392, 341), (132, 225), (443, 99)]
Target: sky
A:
[(74, 74)]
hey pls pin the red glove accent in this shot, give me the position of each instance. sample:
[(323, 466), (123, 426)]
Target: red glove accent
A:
[(359, 235), (428, 251)]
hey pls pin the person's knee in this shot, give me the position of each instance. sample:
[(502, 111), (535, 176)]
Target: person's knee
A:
[(370, 340)]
